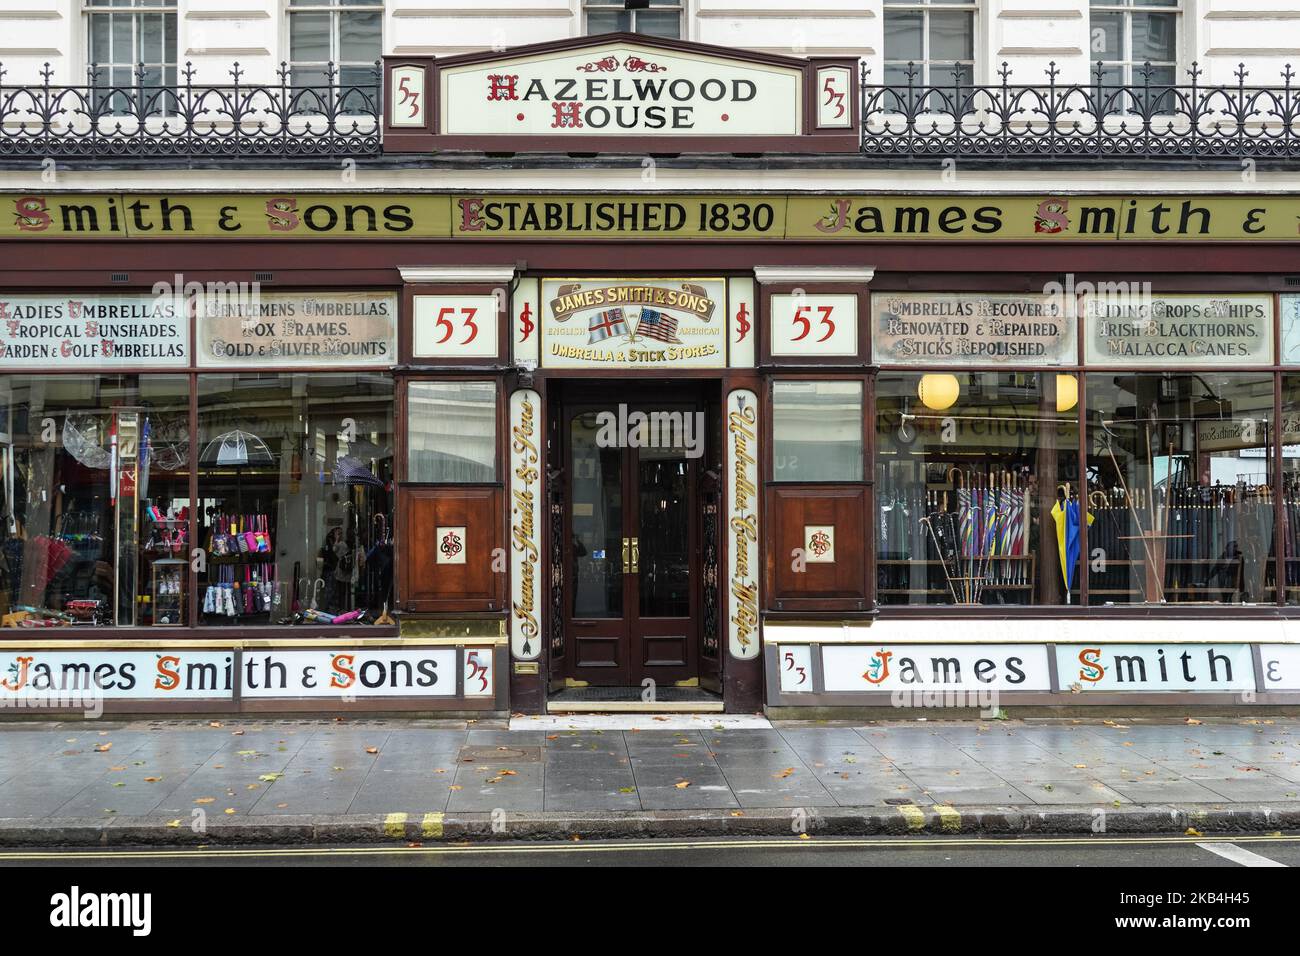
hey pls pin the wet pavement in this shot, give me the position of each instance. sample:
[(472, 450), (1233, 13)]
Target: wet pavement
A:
[(265, 768)]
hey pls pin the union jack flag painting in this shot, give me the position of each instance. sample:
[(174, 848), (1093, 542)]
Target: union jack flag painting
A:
[(606, 325), (657, 325)]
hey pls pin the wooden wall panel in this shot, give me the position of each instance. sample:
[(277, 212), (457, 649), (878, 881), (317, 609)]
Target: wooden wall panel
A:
[(838, 585), (428, 585)]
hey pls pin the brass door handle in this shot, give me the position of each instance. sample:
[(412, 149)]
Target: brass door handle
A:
[(627, 554), (636, 555)]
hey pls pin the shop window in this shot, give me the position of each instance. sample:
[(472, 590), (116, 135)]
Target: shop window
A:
[(95, 507), (129, 35), (295, 498), (816, 431), (977, 491), (451, 434), (346, 33), (1136, 43), (1179, 488), (933, 38), (656, 18)]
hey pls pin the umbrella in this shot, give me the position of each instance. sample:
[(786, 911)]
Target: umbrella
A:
[(352, 471), (237, 447), (80, 447)]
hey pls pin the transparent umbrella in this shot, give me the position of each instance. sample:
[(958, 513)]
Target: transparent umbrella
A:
[(236, 447)]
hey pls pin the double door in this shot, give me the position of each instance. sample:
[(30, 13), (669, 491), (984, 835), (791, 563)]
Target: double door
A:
[(631, 542)]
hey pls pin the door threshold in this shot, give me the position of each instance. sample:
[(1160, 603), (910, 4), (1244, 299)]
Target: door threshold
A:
[(633, 707)]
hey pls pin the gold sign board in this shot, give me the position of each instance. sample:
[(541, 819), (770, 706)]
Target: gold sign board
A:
[(1035, 217)]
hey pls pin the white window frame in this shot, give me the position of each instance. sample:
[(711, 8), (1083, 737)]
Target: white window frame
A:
[(1130, 68), (588, 6), (334, 8), (133, 9), (925, 65)]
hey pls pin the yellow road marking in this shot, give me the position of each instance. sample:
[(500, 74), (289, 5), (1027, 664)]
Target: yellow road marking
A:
[(395, 825), (914, 816), (431, 826), (998, 842), (949, 818)]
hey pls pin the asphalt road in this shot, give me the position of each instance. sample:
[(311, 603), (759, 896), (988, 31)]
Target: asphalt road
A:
[(1149, 852)]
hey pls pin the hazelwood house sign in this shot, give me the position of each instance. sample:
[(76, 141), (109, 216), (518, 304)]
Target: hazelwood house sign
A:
[(630, 93)]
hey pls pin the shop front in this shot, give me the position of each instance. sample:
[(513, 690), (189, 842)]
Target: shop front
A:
[(602, 443)]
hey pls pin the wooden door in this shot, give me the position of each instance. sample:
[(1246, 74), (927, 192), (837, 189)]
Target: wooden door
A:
[(631, 552)]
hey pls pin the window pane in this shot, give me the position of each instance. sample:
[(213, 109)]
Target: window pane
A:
[(309, 37), (1179, 468), (952, 36), (151, 39), (903, 35), (123, 49), (95, 511), (975, 470), (659, 24), (1154, 36), (1106, 41), (295, 507), (608, 22), (359, 37), (817, 431), (451, 431), (99, 43)]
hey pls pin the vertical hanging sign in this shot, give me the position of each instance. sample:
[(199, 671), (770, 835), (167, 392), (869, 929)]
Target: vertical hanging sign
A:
[(742, 524), (741, 324), (525, 323), (525, 525)]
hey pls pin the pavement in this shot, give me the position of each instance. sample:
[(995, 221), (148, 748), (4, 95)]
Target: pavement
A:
[(321, 781)]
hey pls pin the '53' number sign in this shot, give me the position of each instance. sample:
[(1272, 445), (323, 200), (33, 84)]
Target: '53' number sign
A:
[(814, 325), (454, 326)]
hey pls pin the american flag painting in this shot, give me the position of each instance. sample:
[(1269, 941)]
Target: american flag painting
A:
[(656, 325), (606, 325)]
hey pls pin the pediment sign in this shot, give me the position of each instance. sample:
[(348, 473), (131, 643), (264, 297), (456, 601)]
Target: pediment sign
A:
[(621, 93)]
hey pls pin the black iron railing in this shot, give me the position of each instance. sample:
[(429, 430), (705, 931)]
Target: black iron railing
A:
[(329, 115), (1102, 120), (147, 118)]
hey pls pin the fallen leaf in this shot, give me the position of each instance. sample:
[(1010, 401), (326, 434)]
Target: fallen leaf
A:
[(270, 777), (174, 824), (372, 750), (214, 723), (104, 748), (412, 846), (682, 785), (1080, 766), (508, 773), (737, 813), (627, 789), (784, 773), (206, 800), (281, 806), (804, 836), (455, 786), (236, 733), (231, 810), (1192, 721), (123, 767), (152, 779), (1192, 831)]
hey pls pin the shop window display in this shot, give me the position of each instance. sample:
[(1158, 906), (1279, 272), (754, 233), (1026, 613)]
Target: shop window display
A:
[(295, 498), (977, 491), (95, 510), (451, 432), (1180, 488)]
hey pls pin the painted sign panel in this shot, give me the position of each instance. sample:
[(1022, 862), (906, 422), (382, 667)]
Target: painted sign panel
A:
[(1281, 666), (742, 442), (643, 323), (76, 679), (93, 330), (454, 326), (656, 217), (620, 88), (870, 667), (329, 672), (406, 101), (834, 96), (795, 668), (742, 329), (1134, 327), (972, 328), (526, 503), (1155, 667), (525, 322), (814, 325), (298, 328)]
